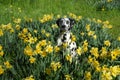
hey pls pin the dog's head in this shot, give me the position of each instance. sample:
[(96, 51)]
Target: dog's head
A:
[(65, 24)]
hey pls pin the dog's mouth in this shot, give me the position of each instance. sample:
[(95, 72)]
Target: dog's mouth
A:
[(62, 29)]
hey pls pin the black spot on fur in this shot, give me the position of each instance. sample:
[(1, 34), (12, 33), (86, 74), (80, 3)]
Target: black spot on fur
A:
[(73, 49), (64, 38), (69, 28)]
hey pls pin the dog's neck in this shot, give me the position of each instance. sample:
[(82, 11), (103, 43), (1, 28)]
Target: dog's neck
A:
[(65, 36), (62, 32)]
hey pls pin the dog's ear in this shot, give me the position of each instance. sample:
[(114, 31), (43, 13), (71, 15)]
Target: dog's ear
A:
[(58, 21), (72, 22)]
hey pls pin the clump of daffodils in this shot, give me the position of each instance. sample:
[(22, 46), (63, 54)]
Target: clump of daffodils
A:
[(30, 47), (1, 70), (55, 65), (46, 18)]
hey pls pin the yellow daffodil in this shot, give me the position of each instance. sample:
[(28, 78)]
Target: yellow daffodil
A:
[(88, 75), (17, 21), (48, 71), (58, 64), (54, 26), (95, 63), (109, 26), (85, 43), (69, 58), (8, 26), (46, 18), (73, 38), (72, 15), (95, 36), (47, 34), (42, 21), (82, 33), (32, 40), (94, 51), (118, 38), (32, 59), (85, 46), (43, 31), (37, 51), (65, 16), (7, 64), (104, 68), (28, 51), (99, 21), (98, 68), (79, 18), (65, 45), (56, 48), (1, 53), (43, 53), (79, 51), (115, 70), (90, 59), (25, 30), (43, 43), (107, 43), (115, 53), (29, 78), (88, 27), (11, 30), (49, 49), (1, 70), (1, 47), (68, 77), (55, 65), (35, 31), (1, 32), (103, 52), (58, 16), (106, 76), (17, 27), (109, 0), (106, 22), (91, 33), (103, 9)]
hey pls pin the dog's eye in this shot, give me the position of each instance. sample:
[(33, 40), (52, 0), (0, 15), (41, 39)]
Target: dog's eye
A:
[(67, 22)]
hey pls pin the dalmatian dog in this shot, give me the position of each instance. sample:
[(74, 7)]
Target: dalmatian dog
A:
[(65, 25)]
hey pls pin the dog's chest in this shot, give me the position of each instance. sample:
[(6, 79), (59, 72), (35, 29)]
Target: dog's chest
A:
[(71, 45), (66, 37)]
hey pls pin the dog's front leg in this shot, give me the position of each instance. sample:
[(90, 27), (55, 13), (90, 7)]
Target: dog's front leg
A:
[(59, 42)]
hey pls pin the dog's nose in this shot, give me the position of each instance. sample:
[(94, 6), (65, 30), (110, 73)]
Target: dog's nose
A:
[(63, 26)]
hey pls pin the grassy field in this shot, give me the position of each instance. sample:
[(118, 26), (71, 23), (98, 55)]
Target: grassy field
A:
[(28, 40), (37, 8)]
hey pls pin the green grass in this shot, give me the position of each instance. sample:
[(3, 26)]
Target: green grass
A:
[(37, 8)]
